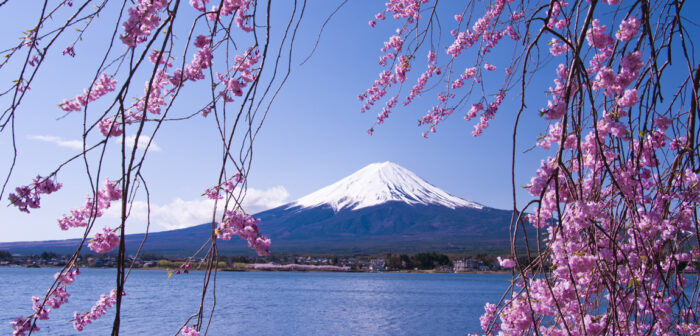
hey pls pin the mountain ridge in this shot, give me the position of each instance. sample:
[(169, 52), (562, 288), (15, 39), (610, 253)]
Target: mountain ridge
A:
[(382, 207)]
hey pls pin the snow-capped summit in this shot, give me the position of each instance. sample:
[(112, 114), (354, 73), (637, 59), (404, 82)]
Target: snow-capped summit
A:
[(379, 183)]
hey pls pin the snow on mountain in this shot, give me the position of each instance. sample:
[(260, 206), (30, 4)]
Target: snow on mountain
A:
[(379, 183)]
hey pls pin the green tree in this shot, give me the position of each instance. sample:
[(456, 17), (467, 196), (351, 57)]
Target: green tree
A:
[(5, 256)]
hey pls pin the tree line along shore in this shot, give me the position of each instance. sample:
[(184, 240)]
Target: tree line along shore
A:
[(429, 262), (388, 262)]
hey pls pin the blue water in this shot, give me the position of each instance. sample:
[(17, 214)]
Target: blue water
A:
[(262, 303)]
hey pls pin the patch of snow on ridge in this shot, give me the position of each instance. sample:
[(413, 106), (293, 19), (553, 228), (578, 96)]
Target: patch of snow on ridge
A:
[(379, 183)]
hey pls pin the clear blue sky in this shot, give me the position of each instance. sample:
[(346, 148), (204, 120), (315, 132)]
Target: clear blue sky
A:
[(313, 136)]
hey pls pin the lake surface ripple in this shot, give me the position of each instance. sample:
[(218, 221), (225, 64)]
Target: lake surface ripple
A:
[(266, 303)]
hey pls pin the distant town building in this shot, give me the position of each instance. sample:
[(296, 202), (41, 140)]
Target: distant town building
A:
[(469, 265), (377, 264)]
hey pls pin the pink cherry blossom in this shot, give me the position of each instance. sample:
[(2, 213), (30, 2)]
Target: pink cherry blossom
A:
[(70, 51), (93, 208), (189, 331), (558, 48), (241, 8), (26, 197), (21, 326), (628, 99), (199, 5), (80, 320), (104, 85), (597, 37), (628, 29), (143, 19), (506, 263), (246, 227), (104, 241)]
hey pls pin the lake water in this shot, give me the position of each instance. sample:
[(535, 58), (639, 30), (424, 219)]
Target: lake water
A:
[(266, 303)]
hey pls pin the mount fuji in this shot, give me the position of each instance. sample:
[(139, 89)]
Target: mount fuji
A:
[(385, 207), (379, 183), (382, 207)]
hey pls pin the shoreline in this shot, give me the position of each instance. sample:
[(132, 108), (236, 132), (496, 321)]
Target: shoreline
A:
[(281, 269)]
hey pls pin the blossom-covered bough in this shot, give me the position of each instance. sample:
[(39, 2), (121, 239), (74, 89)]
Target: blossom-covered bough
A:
[(616, 199), (224, 57)]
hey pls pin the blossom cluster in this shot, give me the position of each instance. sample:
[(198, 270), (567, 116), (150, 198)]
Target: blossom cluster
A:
[(189, 331), (246, 227), (482, 29), (144, 17), (557, 105), (506, 263), (22, 325), (597, 37), (378, 90), (647, 219), (486, 32), (160, 87), (227, 186), (433, 117), (104, 241), (138, 28), (202, 60), (557, 48), (386, 78), (240, 75), (184, 268), (29, 196), (617, 203), (164, 85), (80, 320), (432, 70), (57, 297), (557, 19), (613, 83), (489, 114), (628, 29), (93, 208), (153, 100), (240, 7), (104, 85), (199, 5), (400, 9)]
